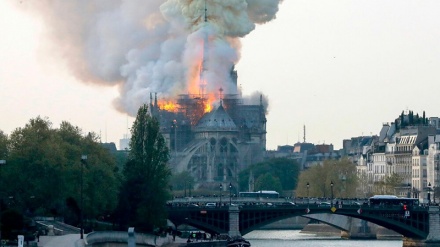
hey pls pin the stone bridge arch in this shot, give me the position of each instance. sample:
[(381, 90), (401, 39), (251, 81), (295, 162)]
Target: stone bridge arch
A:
[(337, 221), (416, 226)]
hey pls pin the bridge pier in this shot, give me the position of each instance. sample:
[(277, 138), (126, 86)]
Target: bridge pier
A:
[(433, 238), (234, 221), (359, 229)]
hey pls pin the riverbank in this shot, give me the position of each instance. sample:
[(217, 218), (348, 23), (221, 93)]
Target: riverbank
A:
[(327, 230), (321, 230), (181, 242)]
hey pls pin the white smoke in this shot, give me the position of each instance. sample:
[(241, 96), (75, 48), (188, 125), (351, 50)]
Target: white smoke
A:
[(151, 46), (256, 98)]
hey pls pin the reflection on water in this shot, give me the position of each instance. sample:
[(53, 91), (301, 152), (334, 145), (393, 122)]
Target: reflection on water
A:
[(285, 238)]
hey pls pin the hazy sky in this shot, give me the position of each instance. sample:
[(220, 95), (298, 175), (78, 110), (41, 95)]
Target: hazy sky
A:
[(339, 67)]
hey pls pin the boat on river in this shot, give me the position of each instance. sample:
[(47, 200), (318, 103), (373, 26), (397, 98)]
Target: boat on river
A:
[(238, 242)]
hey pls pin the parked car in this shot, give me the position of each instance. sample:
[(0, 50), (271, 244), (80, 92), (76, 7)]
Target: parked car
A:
[(288, 204)]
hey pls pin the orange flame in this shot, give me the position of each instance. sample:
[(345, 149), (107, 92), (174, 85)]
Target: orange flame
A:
[(208, 108), (210, 98), (168, 106)]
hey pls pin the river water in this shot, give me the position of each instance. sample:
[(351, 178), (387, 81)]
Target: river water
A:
[(289, 238)]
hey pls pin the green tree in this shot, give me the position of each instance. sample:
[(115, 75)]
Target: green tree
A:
[(402, 118), (3, 146), (43, 172), (391, 182), (268, 182), (380, 188), (285, 170), (181, 181), (363, 182), (410, 118), (145, 188)]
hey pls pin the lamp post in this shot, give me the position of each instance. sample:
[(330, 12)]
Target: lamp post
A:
[(429, 193), (308, 199), (230, 193), (189, 188), (221, 189), (2, 162), (409, 190), (175, 135), (83, 161), (331, 187)]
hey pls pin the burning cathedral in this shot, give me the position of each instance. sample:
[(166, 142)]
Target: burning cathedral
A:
[(212, 142), (212, 131), (179, 56)]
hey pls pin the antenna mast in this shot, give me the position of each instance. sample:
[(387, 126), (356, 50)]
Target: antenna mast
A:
[(304, 138), (205, 56)]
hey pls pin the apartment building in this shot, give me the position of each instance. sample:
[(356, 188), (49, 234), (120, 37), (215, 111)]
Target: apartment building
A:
[(408, 147)]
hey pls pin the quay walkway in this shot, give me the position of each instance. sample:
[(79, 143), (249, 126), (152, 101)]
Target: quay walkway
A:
[(73, 240), (68, 240)]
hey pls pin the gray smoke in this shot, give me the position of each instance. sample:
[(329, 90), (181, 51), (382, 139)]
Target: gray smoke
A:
[(151, 46)]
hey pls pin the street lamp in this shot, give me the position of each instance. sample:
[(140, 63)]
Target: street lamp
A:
[(175, 135), (308, 199), (221, 189), (429, 193), (230, 193), (331, 187), (189, 188), (83, 161)]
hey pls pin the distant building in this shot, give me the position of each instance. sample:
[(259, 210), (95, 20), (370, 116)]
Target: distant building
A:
[(303, 147), (285, 149), (306, 154), (124, 143), (407, 147), (110, 146)]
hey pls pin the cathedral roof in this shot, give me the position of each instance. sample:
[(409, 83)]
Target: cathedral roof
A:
[(217, 120)]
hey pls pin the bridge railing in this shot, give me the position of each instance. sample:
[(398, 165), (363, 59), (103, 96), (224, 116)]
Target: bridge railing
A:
[(202, 201), (338, 203)]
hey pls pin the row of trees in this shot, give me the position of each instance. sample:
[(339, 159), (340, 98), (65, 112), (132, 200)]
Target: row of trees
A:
[(411, 120), (43, 174), (341, 173), (346, 182), (387, 186), (279, 174)]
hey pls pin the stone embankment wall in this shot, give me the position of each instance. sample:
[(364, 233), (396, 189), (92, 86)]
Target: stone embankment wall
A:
[(326, 230), (207, 244)]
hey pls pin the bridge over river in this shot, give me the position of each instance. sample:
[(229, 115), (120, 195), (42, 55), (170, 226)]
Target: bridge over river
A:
[(419, 225)]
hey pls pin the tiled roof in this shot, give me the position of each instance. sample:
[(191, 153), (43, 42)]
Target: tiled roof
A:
[(217, 120)]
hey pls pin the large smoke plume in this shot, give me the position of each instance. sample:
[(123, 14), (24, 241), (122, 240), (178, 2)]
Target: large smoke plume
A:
[(151, 46)]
